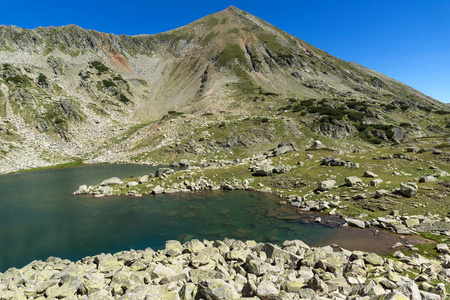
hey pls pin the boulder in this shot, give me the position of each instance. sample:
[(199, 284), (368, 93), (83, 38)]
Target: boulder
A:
[(356, 223), (132, 184), (111, 181), (317, 145), (82, 189), (414, 222), (381, 193), (217, 289), (143, 179), (332, 161), (283, 148), (164, 172), (408, 189), (158, 190), (373, 259), (326, 185), (262, 169), (428, 178), (281, 169), (184, 163), (399, 135), (410, 290), (376, 182), (267, 290), (352, 181), (412, 149), (370, 174), (173, 248), (442, 248)]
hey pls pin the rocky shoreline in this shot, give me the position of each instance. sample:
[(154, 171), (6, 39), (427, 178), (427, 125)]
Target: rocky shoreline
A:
[(232, 269)]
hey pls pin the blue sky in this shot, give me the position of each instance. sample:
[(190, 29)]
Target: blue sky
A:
[(408, 40)]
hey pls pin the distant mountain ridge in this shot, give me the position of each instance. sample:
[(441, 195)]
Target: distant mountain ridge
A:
[(69, 93)]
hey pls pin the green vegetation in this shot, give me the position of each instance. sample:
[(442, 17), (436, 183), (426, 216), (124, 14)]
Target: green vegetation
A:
[(75, 163), (211, 22), (275, 46), (18, 80), (230, 53), (42, 80), (100, 67), (108, 83), (124, 99), (175, 113)]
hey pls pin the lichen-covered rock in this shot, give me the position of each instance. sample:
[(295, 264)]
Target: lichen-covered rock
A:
[(267, 290), (217, 289)]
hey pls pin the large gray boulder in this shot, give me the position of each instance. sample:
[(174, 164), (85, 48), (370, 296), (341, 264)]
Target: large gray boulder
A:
[(356, 223), (410, 290), (262, 169), (326, 185), (408, 189), (267, 290), (427, 178)]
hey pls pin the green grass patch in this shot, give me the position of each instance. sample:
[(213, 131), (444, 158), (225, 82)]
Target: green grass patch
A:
[(230, 53), (76, 163), (124, 99), (100, 67)]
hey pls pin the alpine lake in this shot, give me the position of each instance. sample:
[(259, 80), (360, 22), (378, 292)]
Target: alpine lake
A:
[(39, 218)]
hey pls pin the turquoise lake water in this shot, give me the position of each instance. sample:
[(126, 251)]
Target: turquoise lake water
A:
[(40, 217)]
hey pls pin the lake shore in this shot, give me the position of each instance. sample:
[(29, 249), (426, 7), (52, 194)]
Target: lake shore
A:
[(231, 269)]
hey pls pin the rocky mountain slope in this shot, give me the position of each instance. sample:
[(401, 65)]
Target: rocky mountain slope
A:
[(227, 85)]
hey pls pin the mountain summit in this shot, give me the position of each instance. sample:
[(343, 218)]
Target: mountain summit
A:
[(68, 93)]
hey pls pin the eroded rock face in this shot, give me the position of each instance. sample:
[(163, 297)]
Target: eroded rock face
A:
[(223, 270)]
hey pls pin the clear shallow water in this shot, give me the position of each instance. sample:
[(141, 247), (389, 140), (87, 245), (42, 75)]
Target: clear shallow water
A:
[(39, 217)]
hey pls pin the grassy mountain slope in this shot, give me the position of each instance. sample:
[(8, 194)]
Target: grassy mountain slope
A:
[(227, 84)]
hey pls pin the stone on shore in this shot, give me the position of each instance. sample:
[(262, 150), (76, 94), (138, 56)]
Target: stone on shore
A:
[(356, 223), (158, 190), (111, 181)]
